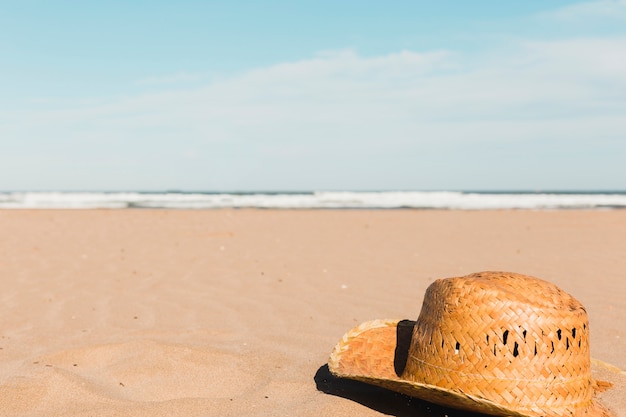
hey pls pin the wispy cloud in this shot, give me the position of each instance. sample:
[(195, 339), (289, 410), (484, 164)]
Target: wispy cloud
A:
[(535, 80), (598, 9), (412, 108)]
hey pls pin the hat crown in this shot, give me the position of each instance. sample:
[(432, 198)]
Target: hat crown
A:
[(511, 339)]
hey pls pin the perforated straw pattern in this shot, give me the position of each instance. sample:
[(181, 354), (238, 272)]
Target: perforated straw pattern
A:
[(498, 343)]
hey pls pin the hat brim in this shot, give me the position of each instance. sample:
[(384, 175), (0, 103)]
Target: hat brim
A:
[(375, 352)]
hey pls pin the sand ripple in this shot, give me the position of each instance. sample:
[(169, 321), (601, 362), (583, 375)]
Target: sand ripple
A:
[(137, 371)]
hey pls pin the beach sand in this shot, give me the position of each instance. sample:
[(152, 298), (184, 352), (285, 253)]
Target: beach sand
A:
[(234, 312)]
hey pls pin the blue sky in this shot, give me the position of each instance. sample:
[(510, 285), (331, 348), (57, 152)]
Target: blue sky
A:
[(282, 95)]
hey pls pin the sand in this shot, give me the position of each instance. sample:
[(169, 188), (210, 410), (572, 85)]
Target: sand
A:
[(234, 312)]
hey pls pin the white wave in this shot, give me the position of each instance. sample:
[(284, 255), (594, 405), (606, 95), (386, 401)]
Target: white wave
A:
[(331, 200)]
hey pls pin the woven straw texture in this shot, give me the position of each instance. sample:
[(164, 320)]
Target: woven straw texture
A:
[(491, 342)]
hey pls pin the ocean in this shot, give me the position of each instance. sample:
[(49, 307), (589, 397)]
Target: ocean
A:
[(454, 200)]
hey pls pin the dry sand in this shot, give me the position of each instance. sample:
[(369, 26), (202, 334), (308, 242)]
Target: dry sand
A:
[(234, 312)]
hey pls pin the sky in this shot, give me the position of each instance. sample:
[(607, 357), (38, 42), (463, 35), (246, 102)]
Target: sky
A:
[(312, 95)]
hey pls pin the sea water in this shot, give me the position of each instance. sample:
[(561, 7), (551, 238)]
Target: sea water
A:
[(458, 200)]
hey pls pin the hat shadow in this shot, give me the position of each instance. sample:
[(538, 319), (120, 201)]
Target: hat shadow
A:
[(383, 400), (380, 399)]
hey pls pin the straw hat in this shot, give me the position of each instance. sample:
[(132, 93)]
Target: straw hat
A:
[(492, 342)]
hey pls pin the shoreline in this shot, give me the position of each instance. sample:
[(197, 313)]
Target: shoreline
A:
[(438, 200)]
